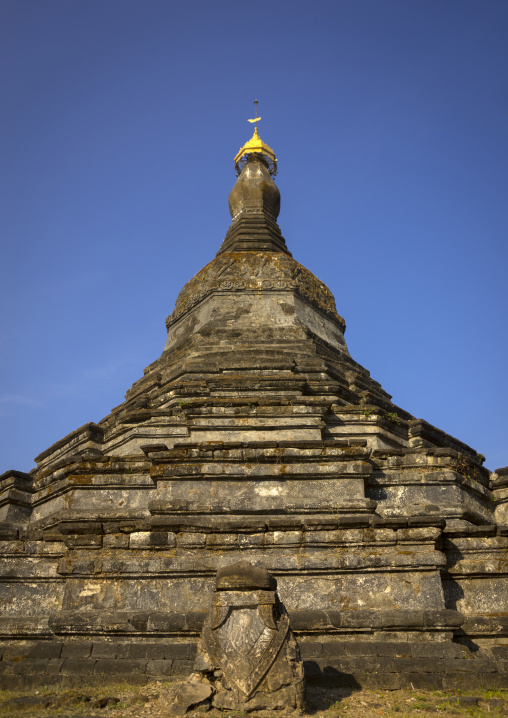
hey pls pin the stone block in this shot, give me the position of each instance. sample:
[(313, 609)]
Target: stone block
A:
[(75, 566), (353, 521), (45, 649), (417, 521), (11, 682), (443, 618), (123, 526), (222, 541), (377, 664), (360, 664), (320, 523), (403, 619), (8, 533), (113, 565), (332, 649), (36, 680), (380, 536), (79, 667), (469, 665), (468, 681), (8, 548), (49, 535), (106, 666), (76, 650), (421, 681), (104, 650), (500, 653), (417, 665), (393, 648), (493, 625), (182, 651), (139, 539), (354, 536), (239, 526), (191, 539), (80, 528), (54, 666), (159, 667), (337, 664), (394, 522), (140, 651), (428, 650), (85, 541), (287, 538), (162, 539), (308, 620), (319, 537), (334, 618), (454, 650), (494, 681), (312, 669), (194, 620), (362, 618), (38, 548), (166, 622), (311, 650), (418, 534), (360, 648), (136, 620), (30, 666), (379, 681), (248, 540), (117, 540), (16, 652), (8, 668), (281, 523), (181, 667)]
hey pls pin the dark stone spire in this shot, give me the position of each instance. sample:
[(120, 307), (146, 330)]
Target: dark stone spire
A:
[(254, 204)]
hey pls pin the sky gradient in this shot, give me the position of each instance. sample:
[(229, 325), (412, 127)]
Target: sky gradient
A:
[(120, 120)]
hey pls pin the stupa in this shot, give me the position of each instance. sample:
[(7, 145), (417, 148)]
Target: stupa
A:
[(256, 436)]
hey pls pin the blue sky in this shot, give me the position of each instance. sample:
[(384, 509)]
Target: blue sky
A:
[(119, 123)]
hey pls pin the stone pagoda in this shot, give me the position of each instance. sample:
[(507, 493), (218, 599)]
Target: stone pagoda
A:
[(256, 437)]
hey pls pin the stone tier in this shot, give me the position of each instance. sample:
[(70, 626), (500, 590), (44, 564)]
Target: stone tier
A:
[(354, 661)]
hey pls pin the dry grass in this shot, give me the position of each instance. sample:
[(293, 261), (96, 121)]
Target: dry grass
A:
[(153, 701)]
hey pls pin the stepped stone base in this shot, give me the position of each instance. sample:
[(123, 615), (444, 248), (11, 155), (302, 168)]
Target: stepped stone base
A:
[(404, 661)]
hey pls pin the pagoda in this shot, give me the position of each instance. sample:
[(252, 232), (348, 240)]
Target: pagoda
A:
[(256, 436)]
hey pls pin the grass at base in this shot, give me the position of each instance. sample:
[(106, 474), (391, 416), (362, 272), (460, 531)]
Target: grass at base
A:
[(153, 700)]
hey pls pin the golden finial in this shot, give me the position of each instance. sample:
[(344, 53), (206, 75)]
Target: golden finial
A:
[(256, 146), (256, 119)]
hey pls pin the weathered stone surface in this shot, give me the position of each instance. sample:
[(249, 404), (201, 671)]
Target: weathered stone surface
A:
[(188, 695), (254, 437)]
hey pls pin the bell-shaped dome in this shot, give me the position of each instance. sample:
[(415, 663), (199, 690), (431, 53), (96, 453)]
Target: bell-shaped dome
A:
[(255, 191), (254, 203)]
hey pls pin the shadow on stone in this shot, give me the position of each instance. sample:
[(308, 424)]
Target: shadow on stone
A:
[(329, 677), (464, 640), (326, 687), (454, 592)]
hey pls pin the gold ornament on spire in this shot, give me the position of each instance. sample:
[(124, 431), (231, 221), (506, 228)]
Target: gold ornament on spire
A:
[(256, 146), (256, 119)]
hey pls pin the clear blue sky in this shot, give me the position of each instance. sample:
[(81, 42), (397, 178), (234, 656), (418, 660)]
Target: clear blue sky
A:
[(119, 123)]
